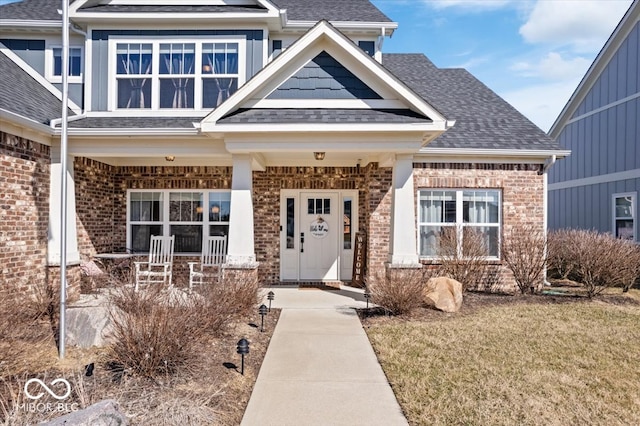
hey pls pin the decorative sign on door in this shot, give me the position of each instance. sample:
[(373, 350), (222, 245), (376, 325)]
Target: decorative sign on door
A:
[(319, 228)]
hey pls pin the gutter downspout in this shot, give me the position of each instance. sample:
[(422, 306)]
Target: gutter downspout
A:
[(549, 162)]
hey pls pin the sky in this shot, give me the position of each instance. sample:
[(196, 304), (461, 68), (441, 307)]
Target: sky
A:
[(533, 53)]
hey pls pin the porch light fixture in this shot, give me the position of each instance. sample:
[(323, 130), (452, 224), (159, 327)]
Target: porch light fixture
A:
[(318, 156), (170, 157), (262, 310), (270, 297), (242, 349)]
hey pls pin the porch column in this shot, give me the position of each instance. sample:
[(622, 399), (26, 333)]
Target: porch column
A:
[(55, 211), (241, 248), (403, 244)]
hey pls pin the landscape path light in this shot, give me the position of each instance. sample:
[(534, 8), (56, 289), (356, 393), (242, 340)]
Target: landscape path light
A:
[(262, 310), (243, 349), (270, 297), (367, 295)]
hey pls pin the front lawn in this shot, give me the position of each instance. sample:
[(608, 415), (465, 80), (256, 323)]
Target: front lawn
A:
[(516, 360)]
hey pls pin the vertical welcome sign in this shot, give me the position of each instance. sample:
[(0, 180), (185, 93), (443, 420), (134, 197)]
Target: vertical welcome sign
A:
[(359, 260)]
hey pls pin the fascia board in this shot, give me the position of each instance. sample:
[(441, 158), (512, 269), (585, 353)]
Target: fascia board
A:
[(121, 147), (171, 17), (37, 77), (389, 27), (515, 153), (289, 55), (317, 128), (26, 23), (124, 132), (26, 122), (624, 28)]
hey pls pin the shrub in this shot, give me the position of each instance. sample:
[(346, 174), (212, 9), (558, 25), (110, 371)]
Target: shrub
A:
[(596, 260), (398, 291), (465, 264), (157, 332), (524, 253)]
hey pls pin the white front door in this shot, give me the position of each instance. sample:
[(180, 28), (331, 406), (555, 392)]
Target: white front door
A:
[(317, 233)]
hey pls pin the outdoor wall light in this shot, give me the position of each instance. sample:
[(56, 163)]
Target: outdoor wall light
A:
[(243, 349), (170, 157), (270, 297), (262, 310), (318, 156)]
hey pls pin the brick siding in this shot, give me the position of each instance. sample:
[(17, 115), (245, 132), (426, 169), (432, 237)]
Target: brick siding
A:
[(24, 212), (522, 189)]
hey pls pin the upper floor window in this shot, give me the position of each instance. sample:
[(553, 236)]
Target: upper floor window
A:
[(54, 67), (190, 74)]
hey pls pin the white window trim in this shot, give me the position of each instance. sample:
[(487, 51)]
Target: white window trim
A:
[(459, 223), (155, 76), (166, 223), (634, 212), (49, 64)]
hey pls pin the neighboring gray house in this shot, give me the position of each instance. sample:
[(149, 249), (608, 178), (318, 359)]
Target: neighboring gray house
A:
[(597, 187)]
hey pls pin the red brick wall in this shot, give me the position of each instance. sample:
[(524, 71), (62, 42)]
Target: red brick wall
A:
[(94, 206), (24, 212), (378, 196), (522, 188)]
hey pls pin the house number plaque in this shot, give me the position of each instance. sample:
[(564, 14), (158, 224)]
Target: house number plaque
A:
[(319, 228)]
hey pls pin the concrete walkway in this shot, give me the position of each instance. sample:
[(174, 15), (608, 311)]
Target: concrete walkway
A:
[(320, 368)]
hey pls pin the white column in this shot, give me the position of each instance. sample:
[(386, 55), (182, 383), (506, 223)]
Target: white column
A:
[(403, 244), (241, 249), (55, 211)]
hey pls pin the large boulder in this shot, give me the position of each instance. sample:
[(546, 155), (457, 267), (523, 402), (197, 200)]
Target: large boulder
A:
[(103, 413), (443, 293)]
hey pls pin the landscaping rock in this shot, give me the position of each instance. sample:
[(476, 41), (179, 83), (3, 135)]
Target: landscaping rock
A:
[(443, 293), (103, 413), (88, 326)]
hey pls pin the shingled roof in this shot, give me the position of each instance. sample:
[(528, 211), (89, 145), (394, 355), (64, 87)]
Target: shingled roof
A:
[(483, 119), (297, 10), (332, 10), (27, 98)]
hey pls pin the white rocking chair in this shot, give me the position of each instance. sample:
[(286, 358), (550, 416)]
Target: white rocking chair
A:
[(158, 269), (211, 261)]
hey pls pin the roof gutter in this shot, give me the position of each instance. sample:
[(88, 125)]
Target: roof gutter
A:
[(497, 152), (29, 23), (388, 27), (26, 122)]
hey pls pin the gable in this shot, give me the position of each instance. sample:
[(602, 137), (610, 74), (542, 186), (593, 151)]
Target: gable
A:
[(323, 77)]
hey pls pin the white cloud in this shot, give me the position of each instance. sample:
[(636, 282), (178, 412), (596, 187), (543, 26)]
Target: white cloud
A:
[(553, 67), (541, 103), (584, 25)]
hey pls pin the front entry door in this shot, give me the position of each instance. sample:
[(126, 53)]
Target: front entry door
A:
[(319, 230), (317, 234)]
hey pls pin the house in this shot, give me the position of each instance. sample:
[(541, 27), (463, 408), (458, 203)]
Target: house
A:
[(598, 186), (279, 123)]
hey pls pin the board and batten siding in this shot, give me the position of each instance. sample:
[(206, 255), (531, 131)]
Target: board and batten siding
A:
[(604, 138), (100, 55)]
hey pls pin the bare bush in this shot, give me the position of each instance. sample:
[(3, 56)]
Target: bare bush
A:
[(561, 258), (465, 264), (524, 253), (596, 260), (398, 291), (157, 331)]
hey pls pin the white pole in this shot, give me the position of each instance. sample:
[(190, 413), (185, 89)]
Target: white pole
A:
[(63, 155)]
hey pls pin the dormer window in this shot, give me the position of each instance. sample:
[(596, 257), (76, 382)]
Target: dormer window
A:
[(180, 74)]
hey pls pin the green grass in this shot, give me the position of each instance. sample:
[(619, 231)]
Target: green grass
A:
[(516, 364)]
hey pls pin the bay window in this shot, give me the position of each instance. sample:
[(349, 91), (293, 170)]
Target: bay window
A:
[(460, 212), (191, 74), (189, 215)]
